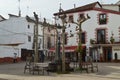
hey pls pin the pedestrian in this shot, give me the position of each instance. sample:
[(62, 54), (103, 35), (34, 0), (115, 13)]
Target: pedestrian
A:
[(15, 58)]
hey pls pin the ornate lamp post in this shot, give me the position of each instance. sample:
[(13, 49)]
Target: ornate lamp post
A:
[(63, 19), (57, 35)]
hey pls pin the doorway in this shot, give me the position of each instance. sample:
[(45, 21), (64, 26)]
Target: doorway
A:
[(107, 54)]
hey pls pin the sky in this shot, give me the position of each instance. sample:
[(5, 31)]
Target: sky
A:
[(44, 8)]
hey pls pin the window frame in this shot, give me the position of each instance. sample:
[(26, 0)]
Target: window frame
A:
[(70, 18), (29, 38), (28, 26), (104, 36), (81, 15), (83, 41), (102, 19)]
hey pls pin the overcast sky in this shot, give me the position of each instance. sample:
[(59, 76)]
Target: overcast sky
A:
[(44, 8)]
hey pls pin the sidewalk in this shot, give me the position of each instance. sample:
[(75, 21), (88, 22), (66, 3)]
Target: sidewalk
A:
[(107, 71)]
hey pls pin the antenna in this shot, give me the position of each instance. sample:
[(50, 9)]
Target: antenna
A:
[(19, 9), (74, 5), (60, 7)]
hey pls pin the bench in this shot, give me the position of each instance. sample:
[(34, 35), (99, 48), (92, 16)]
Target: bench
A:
[(27, 67), (94, 67), (35, 68), (88, 66)]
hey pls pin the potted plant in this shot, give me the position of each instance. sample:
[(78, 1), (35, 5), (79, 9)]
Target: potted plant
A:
[(92, 41), (112, 40)]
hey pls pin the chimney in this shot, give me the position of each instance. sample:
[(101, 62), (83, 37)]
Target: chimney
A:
[(19, 14), (74, 5)]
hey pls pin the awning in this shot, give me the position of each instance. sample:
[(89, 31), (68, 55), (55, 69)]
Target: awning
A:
[(67, 49)]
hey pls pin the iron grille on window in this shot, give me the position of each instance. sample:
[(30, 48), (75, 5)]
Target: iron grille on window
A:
[(101, 36)]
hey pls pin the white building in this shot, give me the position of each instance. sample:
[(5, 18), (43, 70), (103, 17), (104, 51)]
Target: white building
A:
[(115, 7), (102, 25), (16, 36)]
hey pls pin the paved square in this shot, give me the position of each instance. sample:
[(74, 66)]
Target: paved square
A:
[(15, 71)]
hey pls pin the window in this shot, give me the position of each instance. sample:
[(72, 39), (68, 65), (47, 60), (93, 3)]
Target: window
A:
[(48, 42), (39, 43), (65, 38), (102, 18), (28, 26), (81, 16), (83, 38), (70, 18), (119, 8), (101, 36), (29, 38)]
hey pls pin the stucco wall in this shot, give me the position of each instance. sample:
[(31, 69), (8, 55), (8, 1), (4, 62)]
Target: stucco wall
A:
[(15, 30), (112, 7), (92, 24), (116, 49)]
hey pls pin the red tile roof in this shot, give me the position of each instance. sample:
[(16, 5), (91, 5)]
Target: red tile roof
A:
[(82, 8), (88, 7), (107, 10)]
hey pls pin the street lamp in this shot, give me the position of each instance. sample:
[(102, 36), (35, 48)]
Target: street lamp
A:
[(63, 19), (58, 43), (59, 58)]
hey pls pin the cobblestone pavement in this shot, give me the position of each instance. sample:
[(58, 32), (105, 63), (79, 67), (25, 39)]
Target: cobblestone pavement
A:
[(14, 71)]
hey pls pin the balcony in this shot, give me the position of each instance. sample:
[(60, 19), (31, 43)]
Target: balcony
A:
[(110, 40)]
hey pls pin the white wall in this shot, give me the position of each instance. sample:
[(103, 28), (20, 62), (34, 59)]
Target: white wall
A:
[(116, 49), (111, 7), (90, 25), (15, 30)]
